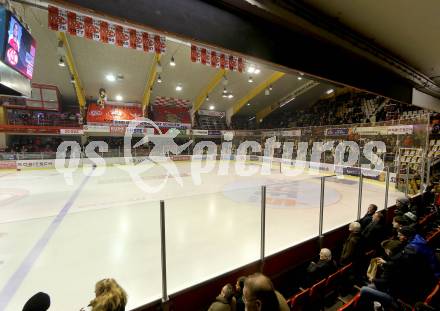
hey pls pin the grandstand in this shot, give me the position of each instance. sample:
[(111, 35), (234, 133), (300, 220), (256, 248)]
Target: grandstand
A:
[(176, 163)]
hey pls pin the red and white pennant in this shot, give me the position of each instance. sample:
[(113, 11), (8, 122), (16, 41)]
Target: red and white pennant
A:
[(75, 24), (216, 59)]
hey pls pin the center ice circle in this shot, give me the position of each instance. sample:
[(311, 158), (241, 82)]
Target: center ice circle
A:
[(298, 194)]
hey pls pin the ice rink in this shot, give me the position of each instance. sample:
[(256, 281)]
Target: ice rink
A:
[(61, 238)]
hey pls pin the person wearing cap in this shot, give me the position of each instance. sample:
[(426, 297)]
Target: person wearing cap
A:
[(409, 236), (38, 302), (403, 277), (402, 206)]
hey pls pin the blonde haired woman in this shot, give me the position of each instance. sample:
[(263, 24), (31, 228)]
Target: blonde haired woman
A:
[(109, 297)]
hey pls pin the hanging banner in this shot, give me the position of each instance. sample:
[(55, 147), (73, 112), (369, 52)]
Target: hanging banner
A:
[(92, 28), (216, 59), (373, 130)]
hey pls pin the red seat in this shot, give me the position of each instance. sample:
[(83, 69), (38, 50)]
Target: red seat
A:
[(351, 305), (316, 295), (299, 301), (434, 296), (332, 283), (431, 239)]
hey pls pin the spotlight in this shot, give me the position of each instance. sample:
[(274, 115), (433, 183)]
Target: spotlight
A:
[(172, 62), (225, 90), (119, 97), (250, 80), (299, 78), (257, 71), (159, 79), (248, 104), (230, 96), (330, 91), (251, 69), (270, 88), (61, 62), (179, 87), (211, 107), (110, 77), (207, 97)]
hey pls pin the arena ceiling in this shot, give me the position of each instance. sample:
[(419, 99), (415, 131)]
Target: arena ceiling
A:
[(95, 60), (408, 29)]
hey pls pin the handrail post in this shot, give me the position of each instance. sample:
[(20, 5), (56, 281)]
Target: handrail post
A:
[(321, 211), (263, 226), (406, 181), (163, 254), (387, 186), (361, 184)]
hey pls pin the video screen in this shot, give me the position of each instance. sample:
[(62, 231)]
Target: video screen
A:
[(20, 48)]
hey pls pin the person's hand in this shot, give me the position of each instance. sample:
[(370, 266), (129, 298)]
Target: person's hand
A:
[(380, 261)]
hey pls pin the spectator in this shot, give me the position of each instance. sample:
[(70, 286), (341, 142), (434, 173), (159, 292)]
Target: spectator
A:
[(110, 296), (259, 294), (352, 249), (322, 269), (403, 276), (402, 206), (365, 221), (239, 293), (374, 233), (225, 301), (38, 302), (399, 222), (418, 243)]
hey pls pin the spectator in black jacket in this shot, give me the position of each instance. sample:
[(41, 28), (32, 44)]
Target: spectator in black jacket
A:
[(404, 276), (321, 269), (239, 293), (352, 249), (374, 233), (365, 221)]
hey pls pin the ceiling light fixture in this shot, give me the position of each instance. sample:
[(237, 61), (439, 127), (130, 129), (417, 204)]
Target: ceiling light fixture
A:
[(110, 77), (250, 80), (159, 79), (299, 78), (270, 88), (119, 98), (257, 71), (179, 87), (225, 90), (61, 62), (230, 96), (211, 107), (248, 104), (207, 97), (330, 91), (251, 69), (172, 62)]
